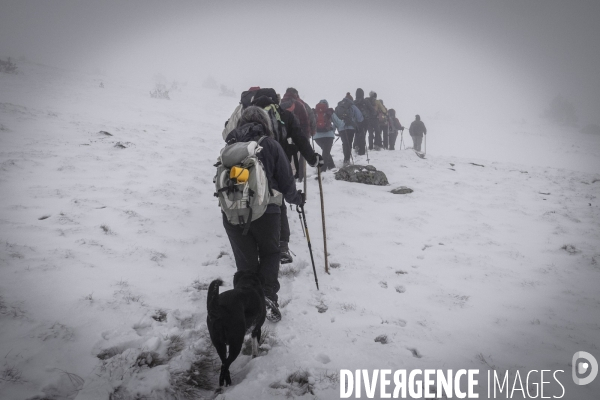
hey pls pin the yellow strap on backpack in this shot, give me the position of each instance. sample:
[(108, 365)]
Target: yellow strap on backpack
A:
[(239, 174)]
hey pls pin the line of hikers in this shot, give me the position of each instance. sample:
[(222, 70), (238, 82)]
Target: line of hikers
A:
[(266, 134)]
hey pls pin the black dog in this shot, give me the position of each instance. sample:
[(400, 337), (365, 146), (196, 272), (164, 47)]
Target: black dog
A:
[(232, 314)]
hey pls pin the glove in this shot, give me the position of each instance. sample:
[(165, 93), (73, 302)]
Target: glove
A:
[(303, 197), (319, 162)]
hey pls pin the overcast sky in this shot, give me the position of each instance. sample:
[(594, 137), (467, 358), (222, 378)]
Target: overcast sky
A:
[(445, 57)]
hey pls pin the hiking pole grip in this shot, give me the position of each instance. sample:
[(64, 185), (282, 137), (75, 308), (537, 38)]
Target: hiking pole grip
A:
[(300, 210), (323, 221)]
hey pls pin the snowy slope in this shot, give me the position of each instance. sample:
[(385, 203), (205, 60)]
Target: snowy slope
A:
[(107, 244)]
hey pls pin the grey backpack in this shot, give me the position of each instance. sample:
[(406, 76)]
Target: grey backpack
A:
[(241, 183)]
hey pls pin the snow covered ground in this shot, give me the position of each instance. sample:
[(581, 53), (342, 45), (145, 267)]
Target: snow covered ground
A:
[(108, 242)]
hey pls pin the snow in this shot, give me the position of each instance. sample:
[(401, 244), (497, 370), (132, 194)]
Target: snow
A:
[(106, 251)]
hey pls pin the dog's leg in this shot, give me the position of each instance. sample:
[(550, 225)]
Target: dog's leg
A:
[(254, 347), (255, 340)]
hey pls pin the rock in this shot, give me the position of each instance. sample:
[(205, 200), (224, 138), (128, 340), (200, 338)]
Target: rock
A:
[(402, 190), (366, 174)]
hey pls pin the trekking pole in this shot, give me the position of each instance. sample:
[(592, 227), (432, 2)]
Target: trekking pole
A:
[(300, 210), (323, 220), (425, 144), (402, 140), (367, 145), (304, 174), (300, 217)]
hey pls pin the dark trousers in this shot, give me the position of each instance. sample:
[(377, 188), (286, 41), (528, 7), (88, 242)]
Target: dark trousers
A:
[(347, 137), (326, 144), (417, 140), (372, 127), (378, 132), (258, 250), (385, 132), (359, 137), (393, 136)]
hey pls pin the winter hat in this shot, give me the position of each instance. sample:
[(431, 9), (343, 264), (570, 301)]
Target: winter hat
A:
[(259, 116), (292, 91), (392, 112), (348, 95), (360, 94), (254, 88), (324, 102), (268, 92), (373, 94), (418, 117)]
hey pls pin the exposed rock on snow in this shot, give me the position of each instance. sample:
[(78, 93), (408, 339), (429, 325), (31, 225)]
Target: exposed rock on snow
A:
[(366, 174), (402, 190)]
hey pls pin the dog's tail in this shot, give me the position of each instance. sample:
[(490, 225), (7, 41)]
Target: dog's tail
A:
[(212, 301)]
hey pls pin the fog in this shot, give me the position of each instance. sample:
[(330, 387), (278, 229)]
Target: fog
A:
[(501, 60)]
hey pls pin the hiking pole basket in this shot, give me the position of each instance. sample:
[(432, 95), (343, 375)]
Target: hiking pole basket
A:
[(300, 210)]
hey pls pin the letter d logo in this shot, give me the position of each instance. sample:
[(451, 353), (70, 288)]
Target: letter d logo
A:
[(590, 364)]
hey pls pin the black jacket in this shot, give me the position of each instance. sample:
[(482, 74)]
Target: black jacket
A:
[(365, 107), (265, 97), (417, 128), (274, 161)]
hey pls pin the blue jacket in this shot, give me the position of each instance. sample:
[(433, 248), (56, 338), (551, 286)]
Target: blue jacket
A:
[(341, 125)]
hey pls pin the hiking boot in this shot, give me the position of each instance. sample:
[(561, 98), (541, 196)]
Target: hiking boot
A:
[(285, 254), (273, 313), (346, 163), (377, 148)]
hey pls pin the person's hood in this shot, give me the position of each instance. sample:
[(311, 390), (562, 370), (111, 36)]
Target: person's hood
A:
[(246, 133), (324, 102), (264, 97), (290, 95), (347, 100), (417, 117), (392, 112), (360, 94)]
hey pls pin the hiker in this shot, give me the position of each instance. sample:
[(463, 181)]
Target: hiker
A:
[(245, 100), (375, 142), (325, 132), (258, 250), (367, 124), (348, 116), (394, 126), (291, 101), (286, 128), (417, 130)]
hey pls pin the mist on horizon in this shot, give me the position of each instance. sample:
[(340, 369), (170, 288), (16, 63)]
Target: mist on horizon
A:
[(463, 58)]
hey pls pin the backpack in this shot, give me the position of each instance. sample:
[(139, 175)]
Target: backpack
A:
[(312, 118), (241, 184), (323, 117), (344, 111), (365, 108), (279, 131), (245, 102), (381, 116)]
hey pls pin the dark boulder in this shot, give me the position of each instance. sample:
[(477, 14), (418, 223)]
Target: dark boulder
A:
[(366, 174), (402, 190)]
